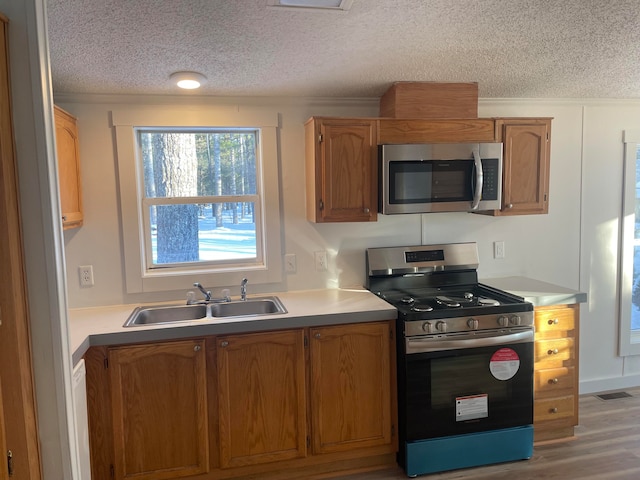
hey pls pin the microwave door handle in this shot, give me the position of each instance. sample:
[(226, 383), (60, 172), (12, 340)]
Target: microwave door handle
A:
[(477, 194)]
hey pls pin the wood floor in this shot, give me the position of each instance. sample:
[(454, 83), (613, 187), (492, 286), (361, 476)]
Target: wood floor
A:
[(607, 447)]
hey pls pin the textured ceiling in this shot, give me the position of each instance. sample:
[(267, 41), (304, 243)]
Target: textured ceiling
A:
[(512, 48)]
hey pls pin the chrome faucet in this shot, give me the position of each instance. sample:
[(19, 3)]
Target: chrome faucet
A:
[(243, 289), (206, 293)]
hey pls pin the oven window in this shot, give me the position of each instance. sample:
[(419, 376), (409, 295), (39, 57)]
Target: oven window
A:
[(455, 392), (450, 379)]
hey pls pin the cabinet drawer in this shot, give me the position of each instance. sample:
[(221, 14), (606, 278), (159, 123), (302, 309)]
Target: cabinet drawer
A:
[(554, 321), (551, 381), (553, 408), (553, 353)]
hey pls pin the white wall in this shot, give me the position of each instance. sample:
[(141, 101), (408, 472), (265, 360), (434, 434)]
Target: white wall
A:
[(575, 245)]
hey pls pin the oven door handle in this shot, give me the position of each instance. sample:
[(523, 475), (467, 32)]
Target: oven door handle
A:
[(431, 344)]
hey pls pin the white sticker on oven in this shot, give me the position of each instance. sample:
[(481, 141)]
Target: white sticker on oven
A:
[(472, 407), (504, 364)]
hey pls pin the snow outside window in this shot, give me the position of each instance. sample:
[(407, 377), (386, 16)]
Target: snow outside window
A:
[(196, 200)]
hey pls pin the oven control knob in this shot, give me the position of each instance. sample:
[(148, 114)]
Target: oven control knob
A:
[(516, 320), (441, 326), (472, 323), (427, 327), (503, 321)]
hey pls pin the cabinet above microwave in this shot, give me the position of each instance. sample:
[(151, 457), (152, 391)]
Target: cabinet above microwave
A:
[(342, 161)]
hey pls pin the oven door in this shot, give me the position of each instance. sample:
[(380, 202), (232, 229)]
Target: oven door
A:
[(478, 385)]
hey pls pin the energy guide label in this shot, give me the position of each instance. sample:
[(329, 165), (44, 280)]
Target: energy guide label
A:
[(504, 364), (472, 407)]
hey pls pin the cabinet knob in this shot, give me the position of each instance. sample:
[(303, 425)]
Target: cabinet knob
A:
[(553, 410), (366, 210), (317, 335), (510, 205), (553, 352), (64, 218), (196, 348), (553, 321), (553, 381), (224, 343)]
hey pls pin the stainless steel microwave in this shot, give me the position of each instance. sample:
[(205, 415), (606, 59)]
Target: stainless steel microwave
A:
[(440, 177)]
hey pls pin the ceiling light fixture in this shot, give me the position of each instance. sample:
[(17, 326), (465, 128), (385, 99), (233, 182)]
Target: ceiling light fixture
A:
[(188, 80), (339, 5)]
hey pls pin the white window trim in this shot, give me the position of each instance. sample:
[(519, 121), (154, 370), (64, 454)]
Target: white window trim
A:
[(124, 122), (628, 342)]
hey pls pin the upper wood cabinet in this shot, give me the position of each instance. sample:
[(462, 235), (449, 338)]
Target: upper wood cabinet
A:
[(68, 168), (526, 164), (342, 160), (261, 396), (342, 176), (351, 387), (159, 410)]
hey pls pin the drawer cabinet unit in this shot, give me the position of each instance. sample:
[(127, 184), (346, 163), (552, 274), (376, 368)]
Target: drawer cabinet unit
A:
[(556, 372)]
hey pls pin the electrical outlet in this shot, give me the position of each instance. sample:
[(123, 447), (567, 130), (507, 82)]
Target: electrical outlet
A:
[(321, 261), (498, 249), (290, 264), (86, 275)]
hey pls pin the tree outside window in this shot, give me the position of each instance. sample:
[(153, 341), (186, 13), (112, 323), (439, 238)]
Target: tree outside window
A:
[(200, 196)]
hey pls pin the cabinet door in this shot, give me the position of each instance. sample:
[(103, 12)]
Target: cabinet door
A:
[(68, 168), (526, 168), (350, 387), (342, 165), (261, 396), (159, 403)]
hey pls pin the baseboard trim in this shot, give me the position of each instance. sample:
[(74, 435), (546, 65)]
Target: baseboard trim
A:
[(609, 384)]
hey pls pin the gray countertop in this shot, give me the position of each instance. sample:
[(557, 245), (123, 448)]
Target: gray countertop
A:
[(537, 292), (103, 325)]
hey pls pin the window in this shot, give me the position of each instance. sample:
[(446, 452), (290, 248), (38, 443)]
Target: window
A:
[(196, 199), (630, 248)]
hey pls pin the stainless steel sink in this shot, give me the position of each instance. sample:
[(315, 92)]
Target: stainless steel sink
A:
[(249, 307), (159, 314)]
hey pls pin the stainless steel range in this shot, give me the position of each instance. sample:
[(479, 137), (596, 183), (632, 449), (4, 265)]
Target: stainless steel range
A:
[(465, 359)]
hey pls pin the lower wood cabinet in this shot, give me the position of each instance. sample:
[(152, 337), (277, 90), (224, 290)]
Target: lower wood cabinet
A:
[(262, 398), (555, 412), (295, 403), (159, 410), (350, 387)]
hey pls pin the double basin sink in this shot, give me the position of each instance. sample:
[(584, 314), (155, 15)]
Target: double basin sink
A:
[(159, 314)]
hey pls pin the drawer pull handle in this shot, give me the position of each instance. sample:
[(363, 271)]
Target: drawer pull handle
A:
[(554, 321), (553, 410), (553, 352), (553, 381), (224, 343)]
